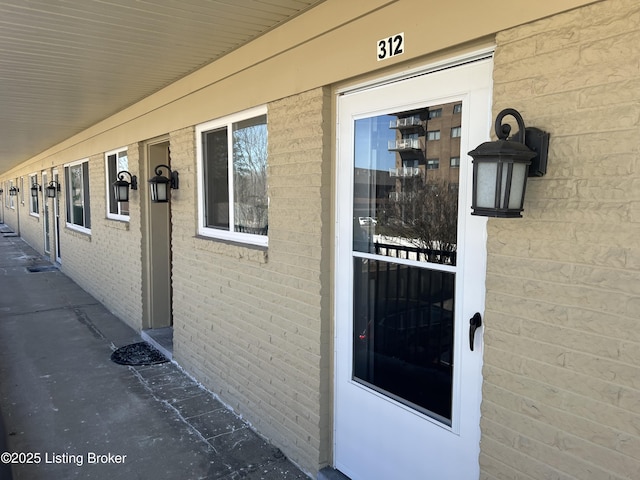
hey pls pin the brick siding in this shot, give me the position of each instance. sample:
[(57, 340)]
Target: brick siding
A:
[(253, 324), (561, 392), (106, 263)]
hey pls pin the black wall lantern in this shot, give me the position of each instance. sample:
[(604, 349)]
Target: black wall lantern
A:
[(35, 188), (501, 168), (121, 186), (160, 184), (52, 188), (13, 191)]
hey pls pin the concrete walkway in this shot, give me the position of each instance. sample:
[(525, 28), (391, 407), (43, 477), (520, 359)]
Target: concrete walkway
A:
[(70, 412)]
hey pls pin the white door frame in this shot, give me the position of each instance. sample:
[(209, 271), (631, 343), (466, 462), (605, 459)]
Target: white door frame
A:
[(56, 215), (464, 423), (46, 226)]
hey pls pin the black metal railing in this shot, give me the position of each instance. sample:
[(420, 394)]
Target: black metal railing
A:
[(419, 254)]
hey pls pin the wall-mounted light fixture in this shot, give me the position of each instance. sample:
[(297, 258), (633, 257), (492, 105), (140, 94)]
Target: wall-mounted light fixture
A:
[(159, 185), (501, 168), (52, 188), (121, 186), (35, 188), (13, 191)]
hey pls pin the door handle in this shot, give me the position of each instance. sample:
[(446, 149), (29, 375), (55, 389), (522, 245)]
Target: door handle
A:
[(474, 324)]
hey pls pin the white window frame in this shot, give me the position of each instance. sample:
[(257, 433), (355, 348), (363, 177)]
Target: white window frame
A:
[(433, 135), (34, 202), (435, 113), (456, 132), (230, 235), (433, 164), (86, 196), (109, 187)]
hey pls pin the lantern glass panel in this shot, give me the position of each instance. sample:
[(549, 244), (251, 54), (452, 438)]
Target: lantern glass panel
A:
[(486, 186), (159, 191), (518, 179), (121, 190)]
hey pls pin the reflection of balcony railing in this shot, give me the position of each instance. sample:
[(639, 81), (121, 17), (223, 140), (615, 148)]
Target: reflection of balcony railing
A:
[(404, 144), (252, 230), (405, 122), (415, 253), (402, 196), (404, 172)]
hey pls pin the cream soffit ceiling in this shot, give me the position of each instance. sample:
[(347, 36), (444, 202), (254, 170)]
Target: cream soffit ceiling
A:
[(67, 64)]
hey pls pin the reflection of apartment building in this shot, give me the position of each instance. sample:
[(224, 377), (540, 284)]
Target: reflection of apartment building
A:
[(427, 144), (368, 184)]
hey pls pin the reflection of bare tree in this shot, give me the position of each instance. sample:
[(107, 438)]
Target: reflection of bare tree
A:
[(76, 184), (250, 176), (425, 215)]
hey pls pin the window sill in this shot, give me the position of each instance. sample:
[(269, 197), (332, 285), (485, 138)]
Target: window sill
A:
[(235, 238)]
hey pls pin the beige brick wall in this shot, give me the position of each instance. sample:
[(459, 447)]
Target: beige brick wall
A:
[(19, 219), (16, 216), (107, 263), (561, 393), (31, 226), (253, 324)]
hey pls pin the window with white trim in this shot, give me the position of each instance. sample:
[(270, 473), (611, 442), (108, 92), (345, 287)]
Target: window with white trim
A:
[(76, 176), (34, 206), (116, 161), (232, 177)]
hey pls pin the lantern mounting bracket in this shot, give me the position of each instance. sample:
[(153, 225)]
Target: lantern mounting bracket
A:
[(134, 180), (535, 139)]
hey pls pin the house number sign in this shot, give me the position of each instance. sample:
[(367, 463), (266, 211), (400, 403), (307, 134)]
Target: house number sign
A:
[(391, 46)]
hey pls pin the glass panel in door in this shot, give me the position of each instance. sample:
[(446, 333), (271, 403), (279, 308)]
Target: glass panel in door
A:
[(405, 207)]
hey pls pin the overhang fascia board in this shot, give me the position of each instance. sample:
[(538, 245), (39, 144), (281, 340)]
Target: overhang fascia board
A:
[(331, 43)]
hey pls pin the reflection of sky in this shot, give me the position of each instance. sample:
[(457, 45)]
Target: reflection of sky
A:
[(123, 162), (372, 143)]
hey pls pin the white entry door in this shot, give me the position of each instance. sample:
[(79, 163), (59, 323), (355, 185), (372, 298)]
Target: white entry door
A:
[(410, 272)]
